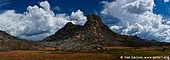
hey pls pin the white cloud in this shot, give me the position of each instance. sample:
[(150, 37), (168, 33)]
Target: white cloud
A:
[(36, 23), (78, 17), (45, 5), (166, 1), (136, 18), (56, 8)]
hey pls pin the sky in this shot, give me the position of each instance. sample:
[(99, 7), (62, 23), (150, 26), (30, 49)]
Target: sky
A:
[(37, 19), (58, 6)]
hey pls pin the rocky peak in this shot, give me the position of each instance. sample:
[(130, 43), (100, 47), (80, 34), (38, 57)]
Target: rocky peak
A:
[(93, 17), (92, 28), (94, 33), (94, 21)]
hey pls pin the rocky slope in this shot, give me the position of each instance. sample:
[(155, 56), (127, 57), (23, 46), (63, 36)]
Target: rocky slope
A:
[(65, 32), (8, 42), (93, 34)]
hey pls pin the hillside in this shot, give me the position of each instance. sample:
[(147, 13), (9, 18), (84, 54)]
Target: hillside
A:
[(92, 35), (8, 42)]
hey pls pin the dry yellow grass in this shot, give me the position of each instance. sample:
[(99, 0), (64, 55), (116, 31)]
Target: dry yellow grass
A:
[(118, 47), (35, 55)]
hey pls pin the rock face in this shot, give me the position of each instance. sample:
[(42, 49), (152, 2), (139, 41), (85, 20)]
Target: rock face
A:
[(8, 42), (93, 34)]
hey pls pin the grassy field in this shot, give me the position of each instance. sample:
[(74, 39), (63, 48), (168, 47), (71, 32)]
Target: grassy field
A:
[(51, 55), (111, 53)]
